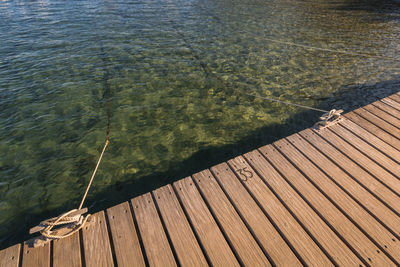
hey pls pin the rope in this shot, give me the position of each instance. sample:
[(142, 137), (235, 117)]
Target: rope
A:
[(75, 223), (331, 50), (288, 103), (328, 119), (78, 222), (94, 172)]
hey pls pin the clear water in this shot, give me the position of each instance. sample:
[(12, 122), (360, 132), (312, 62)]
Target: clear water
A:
[(171, 77)]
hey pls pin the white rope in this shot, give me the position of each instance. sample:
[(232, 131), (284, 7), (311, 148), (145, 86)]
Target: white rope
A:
[(72, 223), (288, 103), (330, 50)]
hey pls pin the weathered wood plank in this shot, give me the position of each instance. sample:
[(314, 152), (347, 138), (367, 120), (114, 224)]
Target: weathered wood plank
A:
[(395, 97), (305, 246), (387, 108), (158, 250), (332, 215), (362, 177), (256, 220), (38, 257), (372, 140), (383, 115), (355, 189), (9, 257), (373, 129), (373, 153), (182, 237), (391, 102), (347, 206), (239, 236), (384, 125), (124, 236), (67, 251), (213, 241), (366, 163), (96, 244), (336, 248)]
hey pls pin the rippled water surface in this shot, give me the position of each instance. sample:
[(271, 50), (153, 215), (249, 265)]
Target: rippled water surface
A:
[(172, 79)]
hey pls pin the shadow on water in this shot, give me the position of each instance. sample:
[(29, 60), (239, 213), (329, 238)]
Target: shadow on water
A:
[(347, 98), (390, 7)]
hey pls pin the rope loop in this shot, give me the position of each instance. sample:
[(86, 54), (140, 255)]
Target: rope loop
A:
[(329, 118), (76, 223)]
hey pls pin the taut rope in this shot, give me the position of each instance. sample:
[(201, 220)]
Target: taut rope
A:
[(72, 220)]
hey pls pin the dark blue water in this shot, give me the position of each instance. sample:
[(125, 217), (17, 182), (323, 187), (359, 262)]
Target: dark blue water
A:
[(170, 78)]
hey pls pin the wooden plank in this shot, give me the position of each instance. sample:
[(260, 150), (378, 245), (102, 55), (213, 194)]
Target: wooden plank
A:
[(158, 250), (336, 219), (391, 102), (247, 249), (387, 108), (373, 129), (357, 191), (303, 244), (254, 217), (182, 237), (361, 176), (96, 244), (211, 238), (383, 115), (347, 205), (336, 248), (384, 125), (124, 236), (366, 163), (38, 257), (372, 140), (395, 97), (67, 251), (380, 158), (9, 257)]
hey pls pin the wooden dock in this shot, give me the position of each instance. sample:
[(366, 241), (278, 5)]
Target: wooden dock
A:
[(317, 198)]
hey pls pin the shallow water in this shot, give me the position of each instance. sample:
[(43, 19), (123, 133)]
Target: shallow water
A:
[(171, 77)]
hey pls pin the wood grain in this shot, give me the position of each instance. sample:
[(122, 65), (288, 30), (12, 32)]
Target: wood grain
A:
[(336, 248), (67, 251), (373, 129), (395, 97), (366, 163), (388, 150), (158, 250), (239, 236), (211, 237), (183, 239), (383, 115), (38, 257), (348, 207), (9, 257), (384, 125), (124, 236), (96, 244), (254, 217), (391, 103), (346, 182), (387, 108), (296, 235), (360, 175), (392, 165)]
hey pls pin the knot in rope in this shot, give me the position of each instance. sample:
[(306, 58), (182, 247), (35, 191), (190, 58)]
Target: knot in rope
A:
[(75, 224), (329, 118), (331, 115)]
